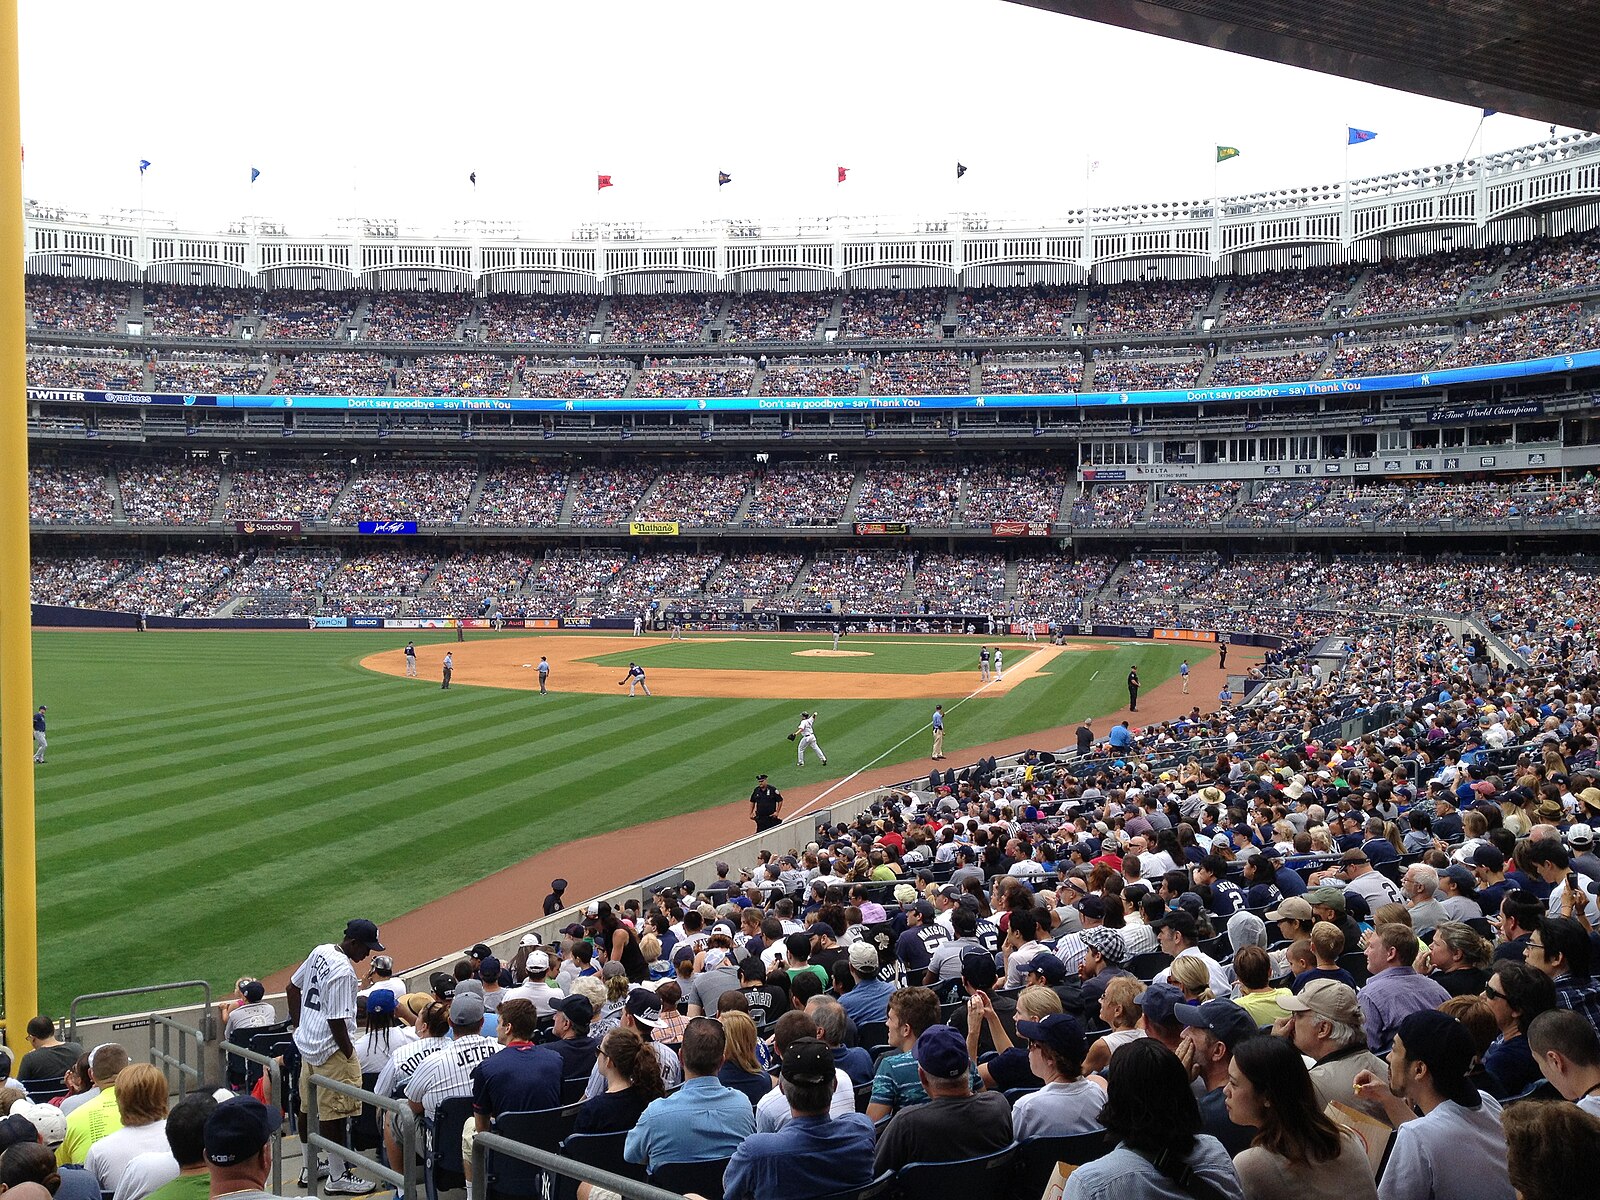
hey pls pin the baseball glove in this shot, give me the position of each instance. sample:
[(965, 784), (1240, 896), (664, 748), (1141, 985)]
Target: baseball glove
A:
[(791, 737)]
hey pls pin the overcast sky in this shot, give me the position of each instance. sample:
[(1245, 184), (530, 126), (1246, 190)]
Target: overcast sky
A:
[(383, 110)]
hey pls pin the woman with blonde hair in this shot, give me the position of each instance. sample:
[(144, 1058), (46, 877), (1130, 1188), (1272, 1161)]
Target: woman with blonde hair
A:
[(1010, 1068), (1191, 976), (1119, 1008), (141, 1092), (741, 1069)]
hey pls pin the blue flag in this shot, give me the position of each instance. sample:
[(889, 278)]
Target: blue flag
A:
[(144, 164), (255, 174), (1357, 136), (1489, 112)]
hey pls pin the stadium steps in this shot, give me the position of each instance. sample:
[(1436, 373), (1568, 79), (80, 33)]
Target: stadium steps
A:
[(718, 324), (854, 498), (135, 308), (114, 487), (758, 379), (270, 378), (633, 381), (564, 517), (640, 504), (344, 490), (1213, 307), (475, 495), (952, 312), (834, 318), (358, 319), (741, 513), (1206, 369), (597, 325), (975, 377), (1080, 307), (1011, 579), (1349, 299), (219, 510)]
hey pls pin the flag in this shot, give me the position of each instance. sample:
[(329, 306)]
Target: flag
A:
[(723, 177), (255, 174), (472, 178), (843, 171), (1224, 153), (1357, 136), (960, 170), (602, 182), (1093, 167), (1489, 112), (144, 165)]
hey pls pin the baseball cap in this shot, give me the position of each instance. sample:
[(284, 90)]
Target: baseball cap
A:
[(941, 1051), (1461, 876), (715, 957), (645, 1006), (1292, 908), (15, 1130), (577, 1008), (443, 983), (1487, 857), (238, 1129), (573, 930), (1181, 921), (808, 1060), (1222, 1019), (926, 909), (1158, 1000), (1093, 907), (1107, 943), (382, 1000), (1048, 966), (978, 969), (1060, 1032), (1580, 835), (863, 957), (558, 885), (252, 991), (363, 931), (1191, 903), (478, 951), (615, 970), (489, 968), (1329, 897), (538, 960), (1326, 998), (466, 1009), (1443, 1044), (821, 929), (472, 987), (46, 1118)]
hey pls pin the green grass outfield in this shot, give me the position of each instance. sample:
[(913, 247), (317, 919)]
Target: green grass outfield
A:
[(755, 652), (216, 803)]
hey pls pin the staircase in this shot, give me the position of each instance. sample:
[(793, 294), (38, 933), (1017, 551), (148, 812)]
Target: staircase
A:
[(114, 488), (475, 495), (854, 498), (564, 517), (219, 510), (602, 314)]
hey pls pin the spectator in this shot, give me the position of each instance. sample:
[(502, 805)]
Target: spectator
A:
[(702, 1121), (1212, 1030), (1560, 948), (1325, 1024), (1068, 1103), (522, 1076), (632, 1081), (98, 1117), (1567, 1049), (179, 1173), (49, 1058), (238, 1143), (954, 1124), (1548, 1147), (1393, 989)]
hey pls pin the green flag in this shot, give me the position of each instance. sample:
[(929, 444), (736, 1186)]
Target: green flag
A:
[(1224, 153)]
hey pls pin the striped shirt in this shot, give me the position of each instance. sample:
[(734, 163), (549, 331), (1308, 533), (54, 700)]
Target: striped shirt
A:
[(448, 1073), (328, 985), (402, 1066)]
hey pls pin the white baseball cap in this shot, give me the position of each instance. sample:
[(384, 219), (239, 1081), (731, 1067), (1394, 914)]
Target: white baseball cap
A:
[(1580, 835)]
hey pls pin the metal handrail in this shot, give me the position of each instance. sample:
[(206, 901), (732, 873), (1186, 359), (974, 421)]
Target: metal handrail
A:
[(274, 1073), (163, 1056), (405, 1181), (628, 1189), (72, 1011)]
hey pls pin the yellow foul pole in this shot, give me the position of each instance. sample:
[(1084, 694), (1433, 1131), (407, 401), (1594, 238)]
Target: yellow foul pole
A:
[(16, 638)]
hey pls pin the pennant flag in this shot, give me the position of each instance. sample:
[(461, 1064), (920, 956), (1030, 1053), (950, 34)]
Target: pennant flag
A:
[(144, 165), (960, 170), (255, 174), (843, 171), (1489, 112), (723, 177), (602, 182), (472, 178), (1224, 153), (1357, 136)]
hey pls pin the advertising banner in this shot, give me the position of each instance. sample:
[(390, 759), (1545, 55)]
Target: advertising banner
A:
[(1183, 635), (387, 527), (881, 528), (1020, 528), (281, 527), (652, 529), (328, 622), (576, 622), (366, 622), (1018, 628)]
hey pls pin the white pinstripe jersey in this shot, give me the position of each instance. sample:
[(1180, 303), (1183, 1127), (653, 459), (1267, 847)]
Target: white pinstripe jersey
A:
[(403, 1064), (448, 1072)]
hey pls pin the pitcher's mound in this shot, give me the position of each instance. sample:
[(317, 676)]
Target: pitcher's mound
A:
[(832, 653)]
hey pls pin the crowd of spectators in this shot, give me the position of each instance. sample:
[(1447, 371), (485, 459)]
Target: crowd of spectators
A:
[(866, 580), (79, 580), (285, 571), (520, 495), (1153, 586), (1531, 333), (1041, 311), (1430, 283), (973, 583), (283, 491), (179, 310), (463, 581), (329, 374), (1387, 356), (77, 307), (293, 316), (1030, 375), (416, 317), (668, 382), (169, 492), (430, 493), (704, 494), (1186, 504), (1284, 297), (798, 494), (1148, 306), (1568, 262), (556, 320), (1012, 490), (776, 317), (98, 373), (454, 375), (68, 493), (566, 574), (911, 492), (1110, 505), (1274, 368), (916, 314), (180, 584), (664, 319), (373, 573), (607, 495), (1138, 373), (921, 373), (766, 575), (1053, 587), (812, 379), (576, 383), (664, 574), (207, 372)]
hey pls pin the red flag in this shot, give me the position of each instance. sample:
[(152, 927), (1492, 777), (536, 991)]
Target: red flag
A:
[(843, 171), (602, 181)]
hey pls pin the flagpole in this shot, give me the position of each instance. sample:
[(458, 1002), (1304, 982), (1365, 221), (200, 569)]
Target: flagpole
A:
[(17, 830)]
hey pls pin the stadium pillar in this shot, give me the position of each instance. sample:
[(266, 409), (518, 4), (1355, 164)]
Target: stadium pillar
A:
[(16, 639)]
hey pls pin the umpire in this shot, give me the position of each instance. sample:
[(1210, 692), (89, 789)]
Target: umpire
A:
[(766, 805)]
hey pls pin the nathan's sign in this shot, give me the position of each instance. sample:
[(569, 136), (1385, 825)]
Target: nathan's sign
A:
[(652, 529)]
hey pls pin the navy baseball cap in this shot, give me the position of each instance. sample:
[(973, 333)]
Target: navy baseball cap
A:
[(941, 1051), (1222, 1019), (1060, 1032), (363, 931), (1048, 967), (577, 1008), (1158, 1002), (238, 1129)]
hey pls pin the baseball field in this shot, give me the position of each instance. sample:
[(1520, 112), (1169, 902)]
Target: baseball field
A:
[(213, 804)]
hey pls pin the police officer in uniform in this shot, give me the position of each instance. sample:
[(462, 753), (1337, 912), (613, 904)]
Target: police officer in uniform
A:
[(766, 805), (1133, 689)]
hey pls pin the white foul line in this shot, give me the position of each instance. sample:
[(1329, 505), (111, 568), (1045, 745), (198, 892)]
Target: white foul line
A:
[(867, 766)]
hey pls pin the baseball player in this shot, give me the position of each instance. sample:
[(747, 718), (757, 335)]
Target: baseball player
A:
[(634, 678), (983, 664), (805, 735), (411, 660), (638, 626), (39, 742), (449, 667), (1183, 673), (836, 637), (1033, 629), (938, 731), (999, 667), (544, 675)]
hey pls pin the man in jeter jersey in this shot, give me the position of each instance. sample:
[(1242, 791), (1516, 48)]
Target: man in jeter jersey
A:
[(322, 1009)]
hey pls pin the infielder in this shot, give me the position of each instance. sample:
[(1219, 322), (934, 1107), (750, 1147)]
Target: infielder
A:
[(638, 626), (1033, 630), (411, 660), (544, 675), (1183, 673), (835, 637), (449, 668), (805, 735), (983, 664), (999, 667), (634, 678), (39, 742)]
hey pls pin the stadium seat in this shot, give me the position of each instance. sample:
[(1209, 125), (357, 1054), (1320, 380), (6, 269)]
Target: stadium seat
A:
[(1148, 966), (701, 1178), (443, 1168), (1037, 1159), (511, 1176), (876, 1188), (986, 1175), (601, 1150)]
